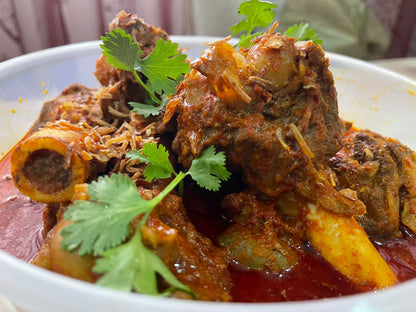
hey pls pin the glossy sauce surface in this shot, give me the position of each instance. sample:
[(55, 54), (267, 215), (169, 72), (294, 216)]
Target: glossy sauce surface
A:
[(400, 254), (21, 220), (21, 234), (314, 278)]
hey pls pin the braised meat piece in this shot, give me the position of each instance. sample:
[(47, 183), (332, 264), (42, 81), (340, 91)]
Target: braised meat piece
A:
[(382, 171), (189, 255), (144, 34), (129, 90), (260, 237), (273, 109), (75, 104)]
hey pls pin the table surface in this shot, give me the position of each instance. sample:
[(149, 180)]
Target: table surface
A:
[(404, 66)]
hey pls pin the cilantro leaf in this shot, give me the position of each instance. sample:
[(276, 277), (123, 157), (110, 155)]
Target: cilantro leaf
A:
[(103, 221), (157, 158), (101, 224), (119, 265), (209, 169), (149, 109), (245, 40), (163, 67), (119, 49), (146, 109), (132, 266), (259, 14), (302, 32)]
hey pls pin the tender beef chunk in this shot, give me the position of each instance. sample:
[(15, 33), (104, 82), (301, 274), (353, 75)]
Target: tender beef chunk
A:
[(260, 237), (144, 34), (190, 256), (75, 104), (272, 109), (121, 85), (382, 171)]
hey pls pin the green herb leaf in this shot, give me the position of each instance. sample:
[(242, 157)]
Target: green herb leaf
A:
[(163, 67), (303, 32), (119, 49), (101, 224), (157, 158), (103, 221), (149, 109), (132, 266), (259, 14), (209, 169), (146, 109)]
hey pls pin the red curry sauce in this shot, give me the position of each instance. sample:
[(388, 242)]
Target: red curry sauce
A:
[(21, 234), (21, 220)]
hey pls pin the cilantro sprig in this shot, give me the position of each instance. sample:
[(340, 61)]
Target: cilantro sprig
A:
[(163, 68), (132, 265), (101, 224), (157, 159), (303, 32), (259, 14)]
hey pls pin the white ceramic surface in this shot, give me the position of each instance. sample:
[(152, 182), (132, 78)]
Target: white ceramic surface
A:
[(370, 96)]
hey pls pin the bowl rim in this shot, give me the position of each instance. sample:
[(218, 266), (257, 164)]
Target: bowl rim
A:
[(48, 55)]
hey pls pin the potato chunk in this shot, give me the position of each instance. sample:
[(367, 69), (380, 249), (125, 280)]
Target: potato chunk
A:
[(345, 245)]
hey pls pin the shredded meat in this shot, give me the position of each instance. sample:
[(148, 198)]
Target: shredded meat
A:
[(382, 171), (75, 104)]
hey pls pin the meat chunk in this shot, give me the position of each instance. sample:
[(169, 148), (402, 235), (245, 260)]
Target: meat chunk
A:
[(382, 171), (143, 34), (240, 100), (190, 256), (121, 86), (272, 109), (260, 237), (75, 104)]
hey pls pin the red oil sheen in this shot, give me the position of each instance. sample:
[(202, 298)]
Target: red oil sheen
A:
[(21, 234), (400, 254), (21, 220), (313, 278)]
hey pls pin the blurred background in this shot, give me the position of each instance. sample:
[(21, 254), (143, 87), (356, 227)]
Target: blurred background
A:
[(366, 29)]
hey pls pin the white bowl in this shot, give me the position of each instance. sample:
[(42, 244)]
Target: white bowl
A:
[(369, 96)]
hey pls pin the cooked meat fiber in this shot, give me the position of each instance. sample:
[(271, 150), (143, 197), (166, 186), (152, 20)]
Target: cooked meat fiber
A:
[(273, 109), (382, 171), (75, 104)]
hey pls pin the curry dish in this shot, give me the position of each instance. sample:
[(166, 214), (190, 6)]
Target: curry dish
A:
[(311, 200)]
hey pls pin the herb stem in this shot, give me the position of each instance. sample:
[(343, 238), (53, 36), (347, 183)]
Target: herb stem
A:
[(180, 189), (152, 95)]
